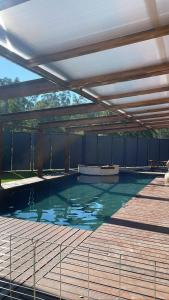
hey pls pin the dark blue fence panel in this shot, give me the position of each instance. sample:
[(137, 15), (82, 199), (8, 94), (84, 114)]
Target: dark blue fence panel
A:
[(104, 149), (153, 149), (75, 150), (118, 150), (58, 142), (164, 149), (131, 151), (89, 149), (7, 143), (142, 152), (46, 151), (21, 151), (91, 156)]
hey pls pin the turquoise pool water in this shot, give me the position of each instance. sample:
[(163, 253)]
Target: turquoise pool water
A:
[(84, 202)]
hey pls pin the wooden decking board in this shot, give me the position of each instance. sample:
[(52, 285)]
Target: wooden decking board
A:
[(127, 251), (98, 259), (25, 266), (144, 252), (135, 240), (132, 244), (112, 275), (72, 292), (73, 242), (135, 233), (21, 237), (107, 292), (127, 283), (44, 256), (23, 248), (127, 269)]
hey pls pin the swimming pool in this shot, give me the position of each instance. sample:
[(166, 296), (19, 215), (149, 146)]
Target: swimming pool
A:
[(84, 201)]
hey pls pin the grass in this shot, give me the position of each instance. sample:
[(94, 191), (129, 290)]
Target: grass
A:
[(11, 176)]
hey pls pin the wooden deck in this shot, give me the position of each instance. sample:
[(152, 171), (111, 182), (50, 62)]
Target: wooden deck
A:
[(126, 258)]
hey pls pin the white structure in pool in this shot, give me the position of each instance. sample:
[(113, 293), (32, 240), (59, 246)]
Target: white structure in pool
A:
[(99, 170)]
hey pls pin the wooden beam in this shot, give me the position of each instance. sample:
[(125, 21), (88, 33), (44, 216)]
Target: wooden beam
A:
[(28, 88), (19, 127), (109, 131), (160, 126), (81, 122), (166, 120), (134, 93), (105, 127), (58, 111), (156, 120), (5, 4), (121, 76), (101, 46), (142, 103), (152, 116), (137, 112)]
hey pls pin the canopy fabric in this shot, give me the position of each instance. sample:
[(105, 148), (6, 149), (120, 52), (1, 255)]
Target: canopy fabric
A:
[(62, 38)]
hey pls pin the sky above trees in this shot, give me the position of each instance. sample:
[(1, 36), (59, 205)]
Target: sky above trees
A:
[(11, 70)]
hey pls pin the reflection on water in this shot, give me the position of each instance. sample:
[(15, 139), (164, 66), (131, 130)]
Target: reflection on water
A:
[(98, 179), (84, 202)]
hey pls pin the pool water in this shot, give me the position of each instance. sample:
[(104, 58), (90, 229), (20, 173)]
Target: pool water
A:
[(84, 201)]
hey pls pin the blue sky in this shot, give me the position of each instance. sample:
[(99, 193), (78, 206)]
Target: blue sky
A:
[(11, 70)]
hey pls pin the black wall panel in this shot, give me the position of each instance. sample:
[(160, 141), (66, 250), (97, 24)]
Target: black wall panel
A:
[(118, 150), (46, 150), (164, 149), (153, 149), (104, 149), (131, 151), (91, 155), (89, 149), (7, 143), (21, 151), (75, 150), (57, 141), (142, 152)]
